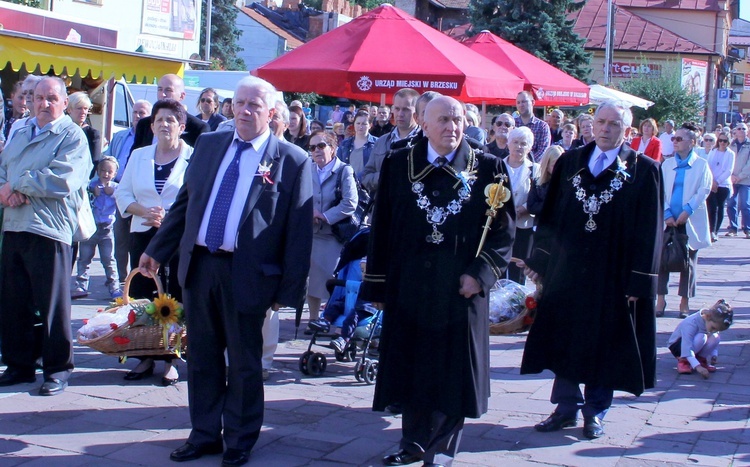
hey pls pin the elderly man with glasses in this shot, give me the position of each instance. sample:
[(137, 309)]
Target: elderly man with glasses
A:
[(740, 183)]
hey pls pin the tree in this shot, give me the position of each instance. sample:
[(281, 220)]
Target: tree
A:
[(224, 35), (671, 100), (540, 27)]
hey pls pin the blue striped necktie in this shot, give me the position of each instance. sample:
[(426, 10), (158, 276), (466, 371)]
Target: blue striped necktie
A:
[(218, 220)]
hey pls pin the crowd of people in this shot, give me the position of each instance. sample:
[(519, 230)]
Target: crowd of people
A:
[(246, 195)]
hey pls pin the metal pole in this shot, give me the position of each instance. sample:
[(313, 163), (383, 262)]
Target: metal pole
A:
[(209, 7), (609, 43)]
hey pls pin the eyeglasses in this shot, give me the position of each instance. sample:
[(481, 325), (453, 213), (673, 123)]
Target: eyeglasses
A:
[(206, 100), (322, 145), (677, 139), (505, 124), (706, 140), (742, 128), (725, 141)]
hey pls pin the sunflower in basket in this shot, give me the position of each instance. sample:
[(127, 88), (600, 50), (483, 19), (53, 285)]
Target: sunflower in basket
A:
[(166, 311)]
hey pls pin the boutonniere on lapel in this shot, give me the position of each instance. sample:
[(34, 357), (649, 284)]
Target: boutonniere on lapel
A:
[(622, 168), (264, 172), (497, 194)]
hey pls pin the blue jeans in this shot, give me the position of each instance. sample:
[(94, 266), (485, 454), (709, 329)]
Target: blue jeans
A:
[(104, 239), (740, 196)]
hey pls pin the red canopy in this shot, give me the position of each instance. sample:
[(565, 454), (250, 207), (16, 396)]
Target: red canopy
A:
[(549, 85), (385, 50)]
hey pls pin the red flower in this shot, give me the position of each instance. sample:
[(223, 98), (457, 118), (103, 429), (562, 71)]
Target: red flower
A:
[(121, 340), (100, 310), (530, 303), (113, 325), (86, 321), (131, 317)]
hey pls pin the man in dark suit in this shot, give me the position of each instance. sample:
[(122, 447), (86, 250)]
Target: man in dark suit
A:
[(596, 252), (170, 87), (242, 225)]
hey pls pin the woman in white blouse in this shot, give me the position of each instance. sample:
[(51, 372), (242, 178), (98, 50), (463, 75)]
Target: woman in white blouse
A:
[(148, 188), (521, 170), (721, 163)]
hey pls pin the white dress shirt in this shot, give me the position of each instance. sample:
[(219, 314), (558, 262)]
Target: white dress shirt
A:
[(249, 161), (432, 155)]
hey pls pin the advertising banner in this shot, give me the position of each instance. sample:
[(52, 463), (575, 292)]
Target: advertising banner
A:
[(694, 73), (170, 18)]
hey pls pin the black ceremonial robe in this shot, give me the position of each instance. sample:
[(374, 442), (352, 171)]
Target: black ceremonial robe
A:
[(585, 330), (434, 347)]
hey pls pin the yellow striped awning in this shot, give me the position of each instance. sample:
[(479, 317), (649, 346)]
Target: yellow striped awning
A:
[(17, 49)]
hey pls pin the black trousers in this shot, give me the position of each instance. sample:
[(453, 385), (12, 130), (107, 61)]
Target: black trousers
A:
[(233, 403), (715, 205), (122, 244), (144, 287), (432, 436), (521, 250), (35, 273)]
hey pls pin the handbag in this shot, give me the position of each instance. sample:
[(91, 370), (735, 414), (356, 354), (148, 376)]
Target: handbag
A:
[(674, 253), (345, 229), (86, 223)]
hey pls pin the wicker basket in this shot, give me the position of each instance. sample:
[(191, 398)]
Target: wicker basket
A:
[(512, 326), (520, 323), (143, 340)]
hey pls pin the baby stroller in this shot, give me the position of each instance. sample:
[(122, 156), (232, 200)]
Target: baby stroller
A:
[(358, 320)]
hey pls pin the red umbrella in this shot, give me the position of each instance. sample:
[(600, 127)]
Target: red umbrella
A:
[(549, 85), (384, 50)]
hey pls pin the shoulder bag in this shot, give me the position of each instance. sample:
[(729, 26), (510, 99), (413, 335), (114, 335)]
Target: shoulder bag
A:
[(344, 229)]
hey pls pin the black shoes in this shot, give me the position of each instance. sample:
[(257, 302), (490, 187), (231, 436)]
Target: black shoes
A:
[(133, 376), (555, 422), (593, 427), (13, 376), (189, 451), (234, 457), (402, 457), (52, 387)]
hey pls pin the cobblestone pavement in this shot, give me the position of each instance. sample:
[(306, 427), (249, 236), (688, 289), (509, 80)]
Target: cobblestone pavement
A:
[(103, 420)]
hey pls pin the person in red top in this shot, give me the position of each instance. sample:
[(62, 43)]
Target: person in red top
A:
[(647, 142)]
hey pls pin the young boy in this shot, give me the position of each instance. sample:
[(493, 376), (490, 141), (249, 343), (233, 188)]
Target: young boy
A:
[(696, 339), (102, 190)]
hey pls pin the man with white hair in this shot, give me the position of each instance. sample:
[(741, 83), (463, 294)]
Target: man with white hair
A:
[(244, 243), (596, 251), (431, 273), (42, 172)]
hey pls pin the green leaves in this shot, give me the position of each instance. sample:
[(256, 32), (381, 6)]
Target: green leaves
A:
[(541, 27), (671, 100)]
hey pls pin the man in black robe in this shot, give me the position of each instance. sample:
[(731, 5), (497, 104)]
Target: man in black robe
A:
[(423, 267), (596, 253)]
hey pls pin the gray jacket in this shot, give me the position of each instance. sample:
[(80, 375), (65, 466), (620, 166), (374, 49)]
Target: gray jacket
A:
[(741, 163), (50, 169)]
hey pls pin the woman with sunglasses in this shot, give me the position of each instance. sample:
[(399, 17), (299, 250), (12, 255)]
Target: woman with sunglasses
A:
[(721, 163), (501, 124), (208, 104), (687, 183), (330, 175)]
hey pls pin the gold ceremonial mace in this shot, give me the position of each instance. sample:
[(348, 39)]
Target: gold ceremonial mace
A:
[(497, 195)]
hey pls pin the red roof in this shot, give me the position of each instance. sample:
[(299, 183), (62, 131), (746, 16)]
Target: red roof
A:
[(631, 31), (709, 5)]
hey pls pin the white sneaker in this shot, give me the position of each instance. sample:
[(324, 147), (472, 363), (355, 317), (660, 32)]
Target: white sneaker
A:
[(79, 292), (339, 344)]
